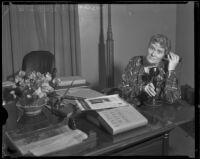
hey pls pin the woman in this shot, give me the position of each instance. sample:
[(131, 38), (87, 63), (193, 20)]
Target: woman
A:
[(136, 85)]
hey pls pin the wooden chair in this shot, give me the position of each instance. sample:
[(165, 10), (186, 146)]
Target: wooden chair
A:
[(40, 61)]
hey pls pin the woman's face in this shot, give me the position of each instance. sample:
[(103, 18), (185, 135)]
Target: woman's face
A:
[(155, 53)]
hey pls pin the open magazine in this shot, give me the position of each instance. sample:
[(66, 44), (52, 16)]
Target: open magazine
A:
[(104, 102)]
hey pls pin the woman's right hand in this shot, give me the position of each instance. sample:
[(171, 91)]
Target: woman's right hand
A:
[(150, 89)]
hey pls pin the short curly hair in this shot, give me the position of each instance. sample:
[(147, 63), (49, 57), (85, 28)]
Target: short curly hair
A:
[(162, 40)]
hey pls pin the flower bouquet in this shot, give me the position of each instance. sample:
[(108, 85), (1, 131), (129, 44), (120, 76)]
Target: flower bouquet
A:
[(31, 91)]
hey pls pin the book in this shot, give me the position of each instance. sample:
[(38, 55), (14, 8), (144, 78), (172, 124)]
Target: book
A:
[(7, 84), (118, 120), (58, 88), (47, 140), (71, 81)]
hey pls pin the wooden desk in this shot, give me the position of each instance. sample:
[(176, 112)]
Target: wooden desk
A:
[(148, 140), (178, 113)]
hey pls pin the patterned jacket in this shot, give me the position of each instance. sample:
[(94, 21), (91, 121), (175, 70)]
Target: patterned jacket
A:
[(134, 78)]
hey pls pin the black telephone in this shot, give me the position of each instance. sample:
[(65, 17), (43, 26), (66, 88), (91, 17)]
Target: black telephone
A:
[(114, 90), (165, 57)]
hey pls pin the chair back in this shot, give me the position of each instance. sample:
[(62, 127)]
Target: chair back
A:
[(187, 94), (40, 61)]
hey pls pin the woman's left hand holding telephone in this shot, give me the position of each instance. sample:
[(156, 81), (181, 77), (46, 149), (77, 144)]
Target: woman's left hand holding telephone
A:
[(173, 61)]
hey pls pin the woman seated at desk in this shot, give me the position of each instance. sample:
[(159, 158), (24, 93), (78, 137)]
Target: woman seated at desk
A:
[(135, 85)]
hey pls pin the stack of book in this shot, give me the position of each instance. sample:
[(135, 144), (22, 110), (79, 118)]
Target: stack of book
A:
[(72, 81), (7, 84)]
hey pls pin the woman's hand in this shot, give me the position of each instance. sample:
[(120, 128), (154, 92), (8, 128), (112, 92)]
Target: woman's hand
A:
[(173, 61), (150, 89)]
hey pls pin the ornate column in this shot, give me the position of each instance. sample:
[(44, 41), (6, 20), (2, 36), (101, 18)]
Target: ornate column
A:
[(102, 58), (109, 52)]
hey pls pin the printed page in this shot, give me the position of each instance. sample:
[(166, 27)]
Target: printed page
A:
[(105, 102)]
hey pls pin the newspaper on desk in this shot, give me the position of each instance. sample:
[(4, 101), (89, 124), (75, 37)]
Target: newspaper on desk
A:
[(48, 140)]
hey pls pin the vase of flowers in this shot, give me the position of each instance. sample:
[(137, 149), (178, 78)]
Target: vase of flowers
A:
[(31, 91)]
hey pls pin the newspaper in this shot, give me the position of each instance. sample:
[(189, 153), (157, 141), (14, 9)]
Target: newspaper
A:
[(48, 140), (105, 102)]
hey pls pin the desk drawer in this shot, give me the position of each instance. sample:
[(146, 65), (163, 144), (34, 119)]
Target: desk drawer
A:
[(151, 147)]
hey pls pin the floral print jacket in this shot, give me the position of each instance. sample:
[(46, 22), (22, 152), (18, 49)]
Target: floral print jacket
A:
[(134, 78)]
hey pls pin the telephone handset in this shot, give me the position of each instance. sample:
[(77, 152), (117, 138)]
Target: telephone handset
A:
[(165, 58)]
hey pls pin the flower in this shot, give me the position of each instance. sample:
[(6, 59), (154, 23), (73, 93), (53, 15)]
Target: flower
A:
[(32, 88)]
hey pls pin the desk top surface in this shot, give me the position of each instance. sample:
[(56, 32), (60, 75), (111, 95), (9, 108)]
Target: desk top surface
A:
[(161, 119)]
